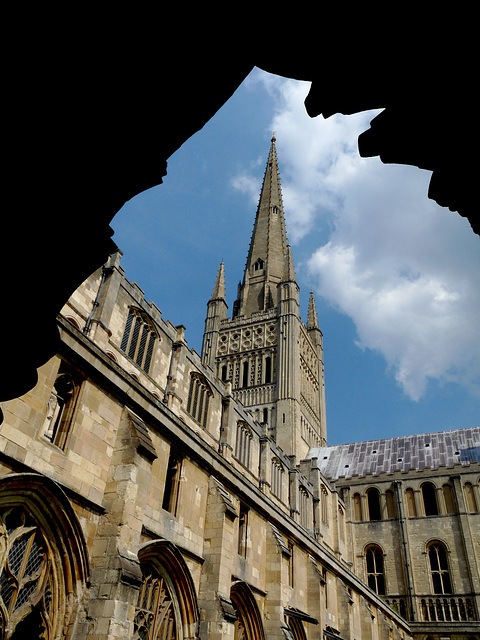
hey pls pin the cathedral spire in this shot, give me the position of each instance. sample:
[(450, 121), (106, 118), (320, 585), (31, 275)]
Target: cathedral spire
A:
[(268, 249)]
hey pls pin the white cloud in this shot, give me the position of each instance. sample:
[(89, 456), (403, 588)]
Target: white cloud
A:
[(404, 269)]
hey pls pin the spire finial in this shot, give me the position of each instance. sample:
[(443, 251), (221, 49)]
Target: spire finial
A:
[(273, 137)]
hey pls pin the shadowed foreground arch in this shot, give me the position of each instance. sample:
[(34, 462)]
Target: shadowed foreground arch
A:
[(90, 127)]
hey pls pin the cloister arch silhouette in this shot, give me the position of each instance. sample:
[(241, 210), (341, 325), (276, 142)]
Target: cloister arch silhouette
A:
[(96, 104)]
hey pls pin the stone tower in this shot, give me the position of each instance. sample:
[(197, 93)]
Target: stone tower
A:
[(273, 360)]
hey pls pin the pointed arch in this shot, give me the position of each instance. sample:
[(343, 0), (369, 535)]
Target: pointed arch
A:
[(168, 564), (249, 625), (44, 567)]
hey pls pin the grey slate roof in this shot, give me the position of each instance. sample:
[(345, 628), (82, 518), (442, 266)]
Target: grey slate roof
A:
[(406, 453)]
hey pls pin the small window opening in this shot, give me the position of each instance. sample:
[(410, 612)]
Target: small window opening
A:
[(430, 504), (373, 500), (172, 483)]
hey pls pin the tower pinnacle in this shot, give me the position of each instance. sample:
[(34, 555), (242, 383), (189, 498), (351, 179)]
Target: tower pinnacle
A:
[(219, 288)]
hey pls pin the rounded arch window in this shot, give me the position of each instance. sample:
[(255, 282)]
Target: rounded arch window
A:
[(439, 569), (374, 563), (429, 495)]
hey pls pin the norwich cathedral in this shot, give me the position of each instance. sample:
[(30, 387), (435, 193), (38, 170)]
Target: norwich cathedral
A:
[(150, 492)]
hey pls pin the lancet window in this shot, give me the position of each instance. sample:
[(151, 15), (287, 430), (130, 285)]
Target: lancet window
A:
[(304, 507), (43, 561)]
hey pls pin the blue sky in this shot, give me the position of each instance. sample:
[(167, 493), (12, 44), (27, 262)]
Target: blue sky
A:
[(395, 276)]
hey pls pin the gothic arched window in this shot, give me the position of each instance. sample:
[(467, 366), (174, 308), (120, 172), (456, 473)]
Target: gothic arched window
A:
[(304, 507), (375, 569), (277, 478), (154, 613), (138, 339), (243, 443), (27, 583), (439, 570), (166, 607), (268, 369), (198, 398), (248, 625), (43, 561)]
